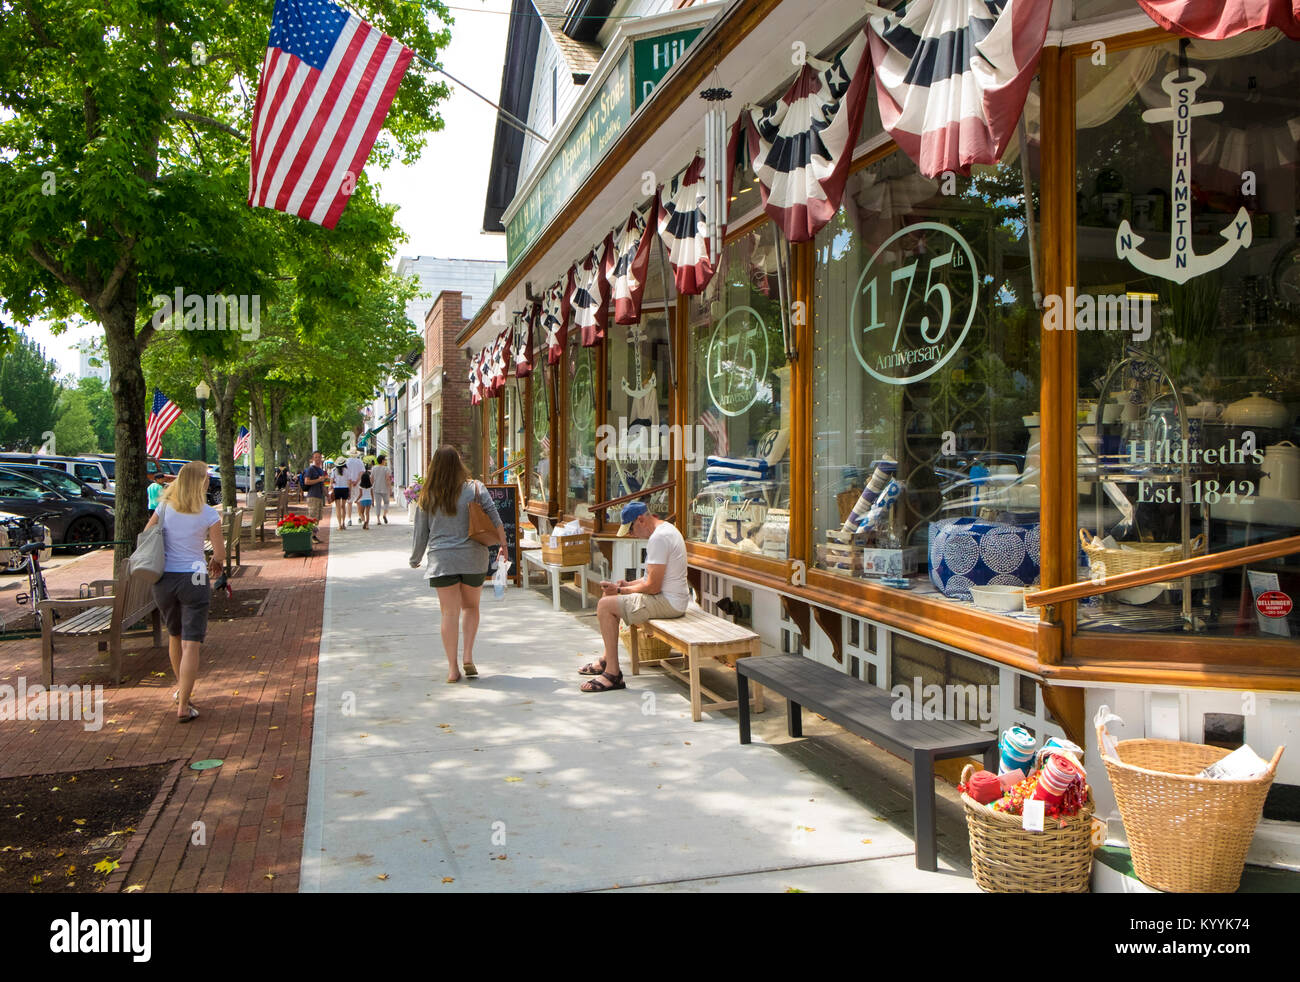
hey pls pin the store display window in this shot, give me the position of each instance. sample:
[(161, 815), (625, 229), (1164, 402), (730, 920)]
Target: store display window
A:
[(926, 383), (739, 405), (638, 442), (1187, 313), (539, 446), (580, 423)]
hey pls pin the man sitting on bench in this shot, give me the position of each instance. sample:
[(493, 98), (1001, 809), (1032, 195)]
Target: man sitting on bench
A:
[(662, 592)]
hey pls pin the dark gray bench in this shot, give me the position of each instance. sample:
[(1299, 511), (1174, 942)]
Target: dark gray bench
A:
[(864, 709)]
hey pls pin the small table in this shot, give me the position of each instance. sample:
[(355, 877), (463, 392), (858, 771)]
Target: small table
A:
[(533, 557)]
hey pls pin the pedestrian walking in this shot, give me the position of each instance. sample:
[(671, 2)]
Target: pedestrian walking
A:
[(457, 565), (381, 475), (282, 477), (182, 597), (342, 492), (354, 468), (156, 488), (313, 479), (365, 499)]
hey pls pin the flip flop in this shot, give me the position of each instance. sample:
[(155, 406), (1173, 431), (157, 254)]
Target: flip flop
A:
[(615, 682), (595, 668), (176, 697), (194, 714), (469, 669)]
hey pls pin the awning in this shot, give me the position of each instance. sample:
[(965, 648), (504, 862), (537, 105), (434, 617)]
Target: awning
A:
[(387, 420)]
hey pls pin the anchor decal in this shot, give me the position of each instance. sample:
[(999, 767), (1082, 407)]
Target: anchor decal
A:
[(1183, 262)]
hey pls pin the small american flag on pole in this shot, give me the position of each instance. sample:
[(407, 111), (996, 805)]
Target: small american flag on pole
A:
[(327, 82), (241, 442), (162, 415)]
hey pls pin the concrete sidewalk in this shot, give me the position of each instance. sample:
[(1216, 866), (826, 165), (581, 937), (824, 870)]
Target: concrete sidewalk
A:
[(517, 781)]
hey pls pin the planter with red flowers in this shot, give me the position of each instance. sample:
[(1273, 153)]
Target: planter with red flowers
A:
[(295, 532)]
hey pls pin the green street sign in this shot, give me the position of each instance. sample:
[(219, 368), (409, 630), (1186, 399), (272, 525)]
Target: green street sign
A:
[(652, 57), (604, 120)]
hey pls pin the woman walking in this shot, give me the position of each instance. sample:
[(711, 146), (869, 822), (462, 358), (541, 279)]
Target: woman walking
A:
[(187, 519), (341, 490), (457, 564)]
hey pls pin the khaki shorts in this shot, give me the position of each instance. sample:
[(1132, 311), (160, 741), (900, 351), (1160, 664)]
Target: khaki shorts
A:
[(637, 608), (314, 506)]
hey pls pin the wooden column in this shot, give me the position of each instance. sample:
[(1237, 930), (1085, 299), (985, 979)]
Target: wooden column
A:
[(802, 269)]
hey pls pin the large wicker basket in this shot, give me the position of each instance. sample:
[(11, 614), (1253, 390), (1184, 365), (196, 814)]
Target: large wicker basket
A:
[(1187, 834), (1134, 556), (1006, 858)]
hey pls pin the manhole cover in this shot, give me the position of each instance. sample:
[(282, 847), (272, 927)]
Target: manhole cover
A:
[(205, 765)]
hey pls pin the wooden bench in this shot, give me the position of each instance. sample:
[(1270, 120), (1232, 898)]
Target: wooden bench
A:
[(97, 617), (694, 636), (533, 558), (866, 710)]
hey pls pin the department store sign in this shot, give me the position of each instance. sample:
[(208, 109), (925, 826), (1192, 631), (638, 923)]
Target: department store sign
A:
[(914, 304), (652, 57), (603, 121)]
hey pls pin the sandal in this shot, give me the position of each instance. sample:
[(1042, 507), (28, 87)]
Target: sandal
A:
[(470, 669), (193, 715), (615, 682), (595, 668), (176, 697)]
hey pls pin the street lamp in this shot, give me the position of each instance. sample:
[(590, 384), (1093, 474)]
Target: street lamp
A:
[(201, 392)]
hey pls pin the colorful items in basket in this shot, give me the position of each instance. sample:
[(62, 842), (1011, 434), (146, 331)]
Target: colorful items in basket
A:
[(984, 787), (1017, 750), (1071, 800), (881, 477), (966, 552)]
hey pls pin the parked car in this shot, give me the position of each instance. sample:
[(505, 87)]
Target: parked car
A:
[(93, 470), (241, 478), (74, 519), (61, 480)]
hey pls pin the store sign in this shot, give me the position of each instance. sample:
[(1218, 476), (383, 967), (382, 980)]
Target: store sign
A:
[(1274, 603), (652, 57), (1183, 262), (737, 362), (914, 303), (603, 121)]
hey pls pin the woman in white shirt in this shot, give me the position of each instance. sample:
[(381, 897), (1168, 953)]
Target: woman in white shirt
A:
[(182, 593)]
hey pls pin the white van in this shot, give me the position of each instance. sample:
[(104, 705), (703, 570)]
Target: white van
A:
[(93, 470)]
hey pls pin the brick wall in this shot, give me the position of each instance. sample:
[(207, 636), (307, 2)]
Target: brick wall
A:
[(444, 321)]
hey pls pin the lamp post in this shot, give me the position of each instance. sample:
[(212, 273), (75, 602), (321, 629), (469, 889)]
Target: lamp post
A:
[(201, 392)]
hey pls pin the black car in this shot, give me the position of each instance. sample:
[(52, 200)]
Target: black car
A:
[(74, 519), (61, 480)]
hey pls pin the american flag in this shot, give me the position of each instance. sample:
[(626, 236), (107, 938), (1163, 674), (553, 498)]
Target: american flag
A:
[(164, 413), (327, 82), (241, 442)]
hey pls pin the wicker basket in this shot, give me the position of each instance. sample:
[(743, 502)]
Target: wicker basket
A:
[(1135, 555), (648, 649), (1006, 858), (1187, 834)]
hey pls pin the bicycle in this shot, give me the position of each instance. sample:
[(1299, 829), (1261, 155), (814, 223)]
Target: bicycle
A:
[(33, 541)]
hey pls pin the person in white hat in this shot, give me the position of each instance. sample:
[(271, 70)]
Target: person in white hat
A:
[(353, 467), (662, 592)]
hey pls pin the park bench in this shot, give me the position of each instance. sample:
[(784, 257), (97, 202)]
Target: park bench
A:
[(694, 636), (865, 710), (99, 616)]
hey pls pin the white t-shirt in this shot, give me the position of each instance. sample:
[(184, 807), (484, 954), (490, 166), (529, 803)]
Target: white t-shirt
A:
[(355, 468), (183, 537), (666, 547), (379, 475)]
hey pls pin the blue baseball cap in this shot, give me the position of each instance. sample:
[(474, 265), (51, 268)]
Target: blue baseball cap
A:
[(631, 512)]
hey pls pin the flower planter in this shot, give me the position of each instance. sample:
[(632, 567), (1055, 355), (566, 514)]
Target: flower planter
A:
[(296, 543)]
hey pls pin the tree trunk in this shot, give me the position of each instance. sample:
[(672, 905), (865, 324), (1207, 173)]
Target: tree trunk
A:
[(223, 415), (274, 397), (131, 504)]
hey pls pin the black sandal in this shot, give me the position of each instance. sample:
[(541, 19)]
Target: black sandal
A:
[(595, 668), (615, 682)]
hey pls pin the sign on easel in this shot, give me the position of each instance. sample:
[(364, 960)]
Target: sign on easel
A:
[(506, 499)]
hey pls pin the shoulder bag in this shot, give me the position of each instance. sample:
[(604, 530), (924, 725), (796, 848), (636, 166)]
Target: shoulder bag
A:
[(481, 528), (150, 554)]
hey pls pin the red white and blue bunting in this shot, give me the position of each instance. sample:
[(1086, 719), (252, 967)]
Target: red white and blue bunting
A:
[(626, 264), (952, 77), (684, 229), (555, 318), (523, 340), (1220, 19), (589, 295)]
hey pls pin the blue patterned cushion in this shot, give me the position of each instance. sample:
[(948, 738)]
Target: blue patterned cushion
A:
[(966, 552)]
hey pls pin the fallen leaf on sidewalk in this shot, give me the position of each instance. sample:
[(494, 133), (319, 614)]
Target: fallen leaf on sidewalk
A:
[(793, 890), (106, 866), (511, 780), (78, 821), (381, 876), (448, 879), (134, 888), (159, 675), (269, 876), (866, 842)]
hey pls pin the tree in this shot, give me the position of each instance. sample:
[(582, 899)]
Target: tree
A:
[(73, 433), (28, 395), (125, 140), (99, 403)]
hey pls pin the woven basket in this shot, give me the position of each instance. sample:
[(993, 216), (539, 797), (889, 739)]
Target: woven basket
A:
[(1006, 858), (1187, 834), (1136, 555), (648, 649)]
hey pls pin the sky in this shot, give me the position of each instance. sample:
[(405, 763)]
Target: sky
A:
[(441, 196)]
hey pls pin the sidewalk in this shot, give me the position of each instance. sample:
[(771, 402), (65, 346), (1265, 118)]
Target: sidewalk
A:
[(517, 781), (255, 693)]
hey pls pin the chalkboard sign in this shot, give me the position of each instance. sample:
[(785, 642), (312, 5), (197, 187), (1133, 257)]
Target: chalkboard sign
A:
[(506, 499)]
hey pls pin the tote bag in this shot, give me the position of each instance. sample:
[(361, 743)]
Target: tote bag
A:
[(150, 554), (481, 529)]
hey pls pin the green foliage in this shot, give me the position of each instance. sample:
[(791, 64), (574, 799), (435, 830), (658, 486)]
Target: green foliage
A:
[(99, 402), (28, 395), (74, 433)]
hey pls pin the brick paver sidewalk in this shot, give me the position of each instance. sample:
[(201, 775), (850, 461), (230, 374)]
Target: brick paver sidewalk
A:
[(255, 694)]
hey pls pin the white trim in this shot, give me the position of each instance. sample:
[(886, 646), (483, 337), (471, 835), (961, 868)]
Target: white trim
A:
[(1100, 30)]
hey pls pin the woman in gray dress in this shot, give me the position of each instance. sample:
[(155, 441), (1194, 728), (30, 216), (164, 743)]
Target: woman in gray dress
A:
[(457, 564)]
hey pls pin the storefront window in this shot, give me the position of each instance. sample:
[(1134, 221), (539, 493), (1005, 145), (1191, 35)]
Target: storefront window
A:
[(637, 445), (580, 426), (925, 382), (739, 406), (1188, 307), (539, 449)]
